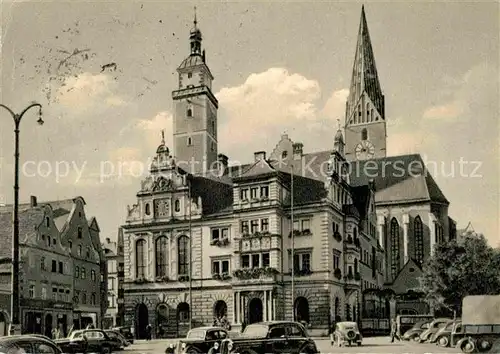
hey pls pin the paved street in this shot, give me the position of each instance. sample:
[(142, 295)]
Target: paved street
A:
[(371, 345)]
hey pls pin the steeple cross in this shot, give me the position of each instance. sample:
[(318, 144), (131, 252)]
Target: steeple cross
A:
[(195, 20), (163, 136)]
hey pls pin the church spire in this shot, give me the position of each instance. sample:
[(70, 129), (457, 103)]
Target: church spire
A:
[(364, 81), (195, 37)]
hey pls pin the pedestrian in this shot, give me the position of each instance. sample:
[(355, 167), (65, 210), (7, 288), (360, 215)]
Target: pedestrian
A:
[(331, 331), (149, 330), (394, 330)]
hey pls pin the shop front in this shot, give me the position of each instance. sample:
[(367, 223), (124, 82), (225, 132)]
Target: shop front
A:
[(46, 317)]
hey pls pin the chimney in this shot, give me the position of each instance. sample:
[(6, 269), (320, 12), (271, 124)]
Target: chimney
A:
[(259, 155), (223, 162), (297, 151), (33, 201)]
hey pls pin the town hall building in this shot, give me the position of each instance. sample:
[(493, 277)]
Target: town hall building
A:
[(212, 243)]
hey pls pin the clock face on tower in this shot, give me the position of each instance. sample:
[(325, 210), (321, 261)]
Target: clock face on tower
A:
[(364, 150)]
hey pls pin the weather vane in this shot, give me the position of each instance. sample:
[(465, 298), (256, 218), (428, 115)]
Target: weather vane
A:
[(163, 136), (195, 21)]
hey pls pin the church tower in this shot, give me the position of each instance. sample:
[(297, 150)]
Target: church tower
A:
[(195, 111), (365, 126)]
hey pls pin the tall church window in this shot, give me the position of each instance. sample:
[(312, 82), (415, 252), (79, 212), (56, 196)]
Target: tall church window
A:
[(368, 117), (189, 111), (177, 205), (140, 255), (182, 255), (418, 235), (394, 248), (161, 256), (364, 134)]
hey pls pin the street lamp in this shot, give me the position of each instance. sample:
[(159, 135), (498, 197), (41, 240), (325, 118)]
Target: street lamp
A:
[(14, 304)]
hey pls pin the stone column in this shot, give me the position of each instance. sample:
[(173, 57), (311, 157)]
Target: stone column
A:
[(274, 306), (265, 306), (432, 233), (406, 239), (236, 307)]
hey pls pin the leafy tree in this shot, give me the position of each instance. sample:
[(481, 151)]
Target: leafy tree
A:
[(467, 266)]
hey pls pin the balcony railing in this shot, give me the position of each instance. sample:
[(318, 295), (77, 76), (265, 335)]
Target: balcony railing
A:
[(350, 277), (305, 232), (337, 273), (220, 242), (255, 273)]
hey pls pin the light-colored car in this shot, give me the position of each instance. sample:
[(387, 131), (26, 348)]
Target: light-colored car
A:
[(346, 333), (434, 326)]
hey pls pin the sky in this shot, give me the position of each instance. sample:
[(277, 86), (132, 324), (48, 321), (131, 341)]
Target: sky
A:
[(278, 67)]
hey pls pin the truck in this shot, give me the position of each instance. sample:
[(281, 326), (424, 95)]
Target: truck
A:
[(479, 331)]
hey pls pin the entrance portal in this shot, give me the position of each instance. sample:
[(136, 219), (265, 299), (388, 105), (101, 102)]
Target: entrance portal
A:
[(48, 326), (141, 321), (302, 310), (255, 310)]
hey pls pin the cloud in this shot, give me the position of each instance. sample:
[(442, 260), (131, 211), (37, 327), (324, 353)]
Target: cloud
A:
[(476, 88), (254, 114), (87, 90), (446, 111)]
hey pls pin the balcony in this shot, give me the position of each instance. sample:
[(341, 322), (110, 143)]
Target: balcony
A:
[(353, 279), (337, 273), (337, 236), (255, 275), (352, 244), (305, 232), (220, 242)]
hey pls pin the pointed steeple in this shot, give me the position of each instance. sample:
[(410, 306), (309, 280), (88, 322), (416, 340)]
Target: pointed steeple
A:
[(364, 81), (195, 37)]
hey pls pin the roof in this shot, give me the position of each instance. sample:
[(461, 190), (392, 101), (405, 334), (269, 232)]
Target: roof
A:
[(192, 60), (397, 179), (29, 219)]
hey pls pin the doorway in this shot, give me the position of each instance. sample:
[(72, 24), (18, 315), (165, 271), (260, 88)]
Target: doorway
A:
[(141, 321), (255, 310), (48, 325)]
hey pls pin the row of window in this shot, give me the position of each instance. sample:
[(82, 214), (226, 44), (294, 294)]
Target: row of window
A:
[(58, 294), (255, 225), (220, 233), (81, 272), (339, 194), (82, 298), (370, 116), (56, 267), (162, 256), (254, 193)]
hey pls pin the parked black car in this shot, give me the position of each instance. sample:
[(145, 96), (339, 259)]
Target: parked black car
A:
[(271, 337), (29, 344), (201, 339), (126, 332), (118, 339), (87, 340)]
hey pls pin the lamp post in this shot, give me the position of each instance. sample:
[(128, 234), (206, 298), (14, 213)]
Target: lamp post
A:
[(14, 304)]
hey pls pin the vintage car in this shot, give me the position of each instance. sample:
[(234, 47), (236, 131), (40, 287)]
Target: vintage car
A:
[(119, 341), (346, 333), (434, 326), (200, 340), (87, 340), (126, 332), (442, 336), (28, 344), (271, 337), (413, 334)]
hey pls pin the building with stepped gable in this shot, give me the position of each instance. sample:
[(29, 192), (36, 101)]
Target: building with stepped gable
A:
[(209, 243)]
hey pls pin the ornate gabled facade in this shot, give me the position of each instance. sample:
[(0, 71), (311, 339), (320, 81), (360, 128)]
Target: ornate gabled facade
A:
[(227, 244), (49, 235)]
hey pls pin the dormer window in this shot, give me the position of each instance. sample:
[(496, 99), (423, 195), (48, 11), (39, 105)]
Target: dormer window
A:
[(80, 232)]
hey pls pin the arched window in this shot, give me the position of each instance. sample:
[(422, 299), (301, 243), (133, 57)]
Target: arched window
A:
[(177, 205), (189, 111), (368, 112), (355, 266), (148, 209), (183, 255), (355, 233), (364, 134), (418, 235), (140, 255), (161, 256), (93, 299), (394, 248)]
